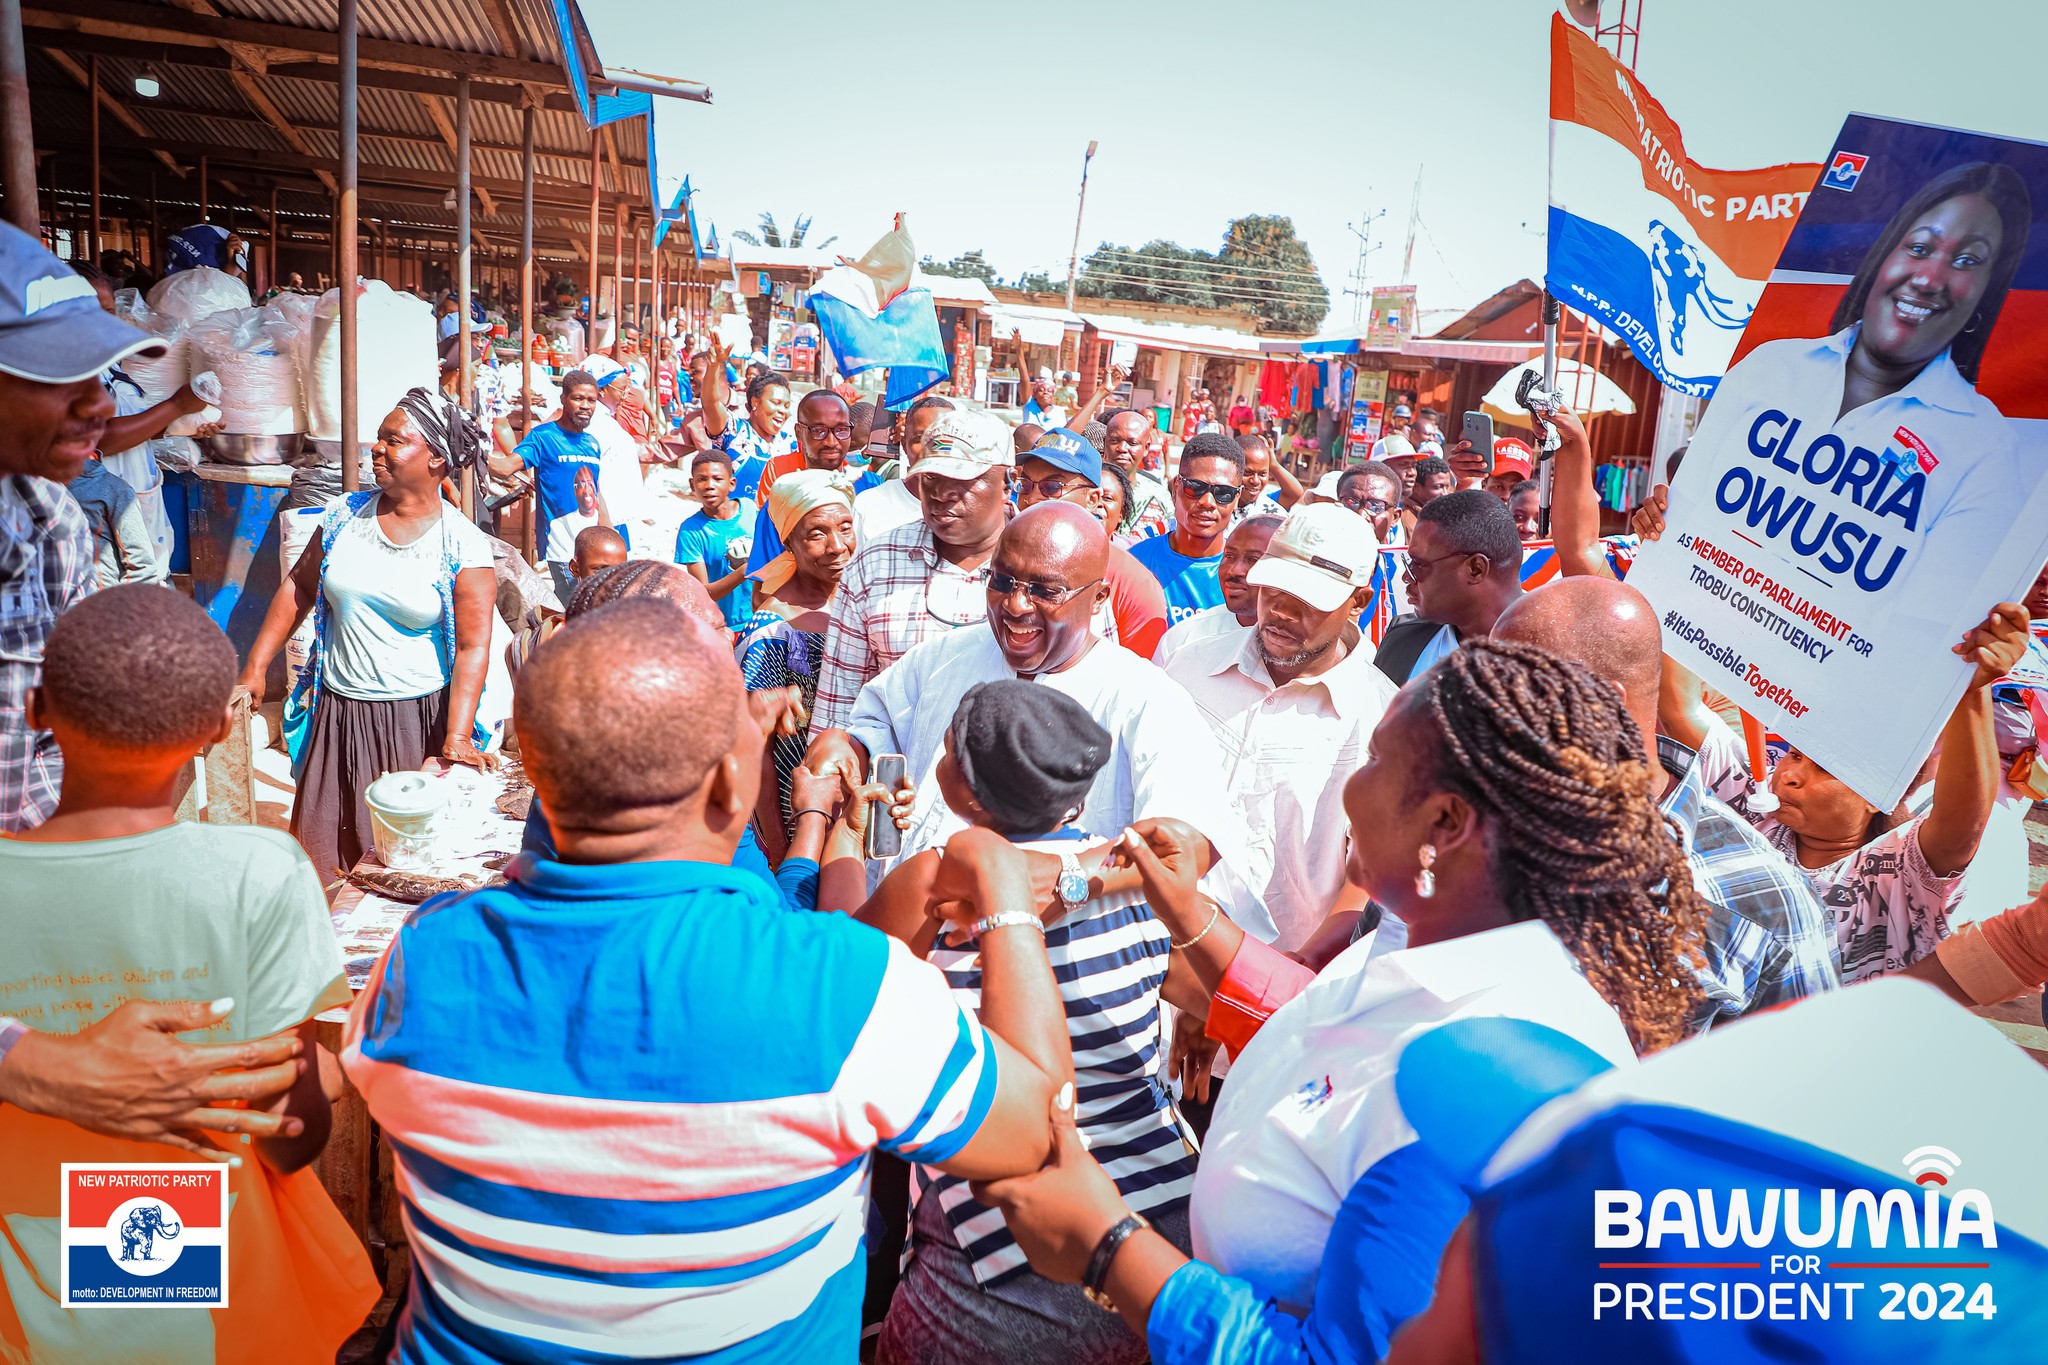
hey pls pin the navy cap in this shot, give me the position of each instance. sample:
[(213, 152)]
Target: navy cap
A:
[(1065, 448), (52, 328)]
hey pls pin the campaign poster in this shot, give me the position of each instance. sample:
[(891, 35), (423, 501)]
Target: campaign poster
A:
[(1368, 412), (1872, 474), (1393, 317)]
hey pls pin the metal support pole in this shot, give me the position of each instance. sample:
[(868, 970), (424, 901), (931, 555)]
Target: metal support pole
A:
[(205, 207), (20, 161), (636, 274), (466, 384), (92, 81), (618, 264), (596, 186), (526, 299), (276, 238), (345, 236)]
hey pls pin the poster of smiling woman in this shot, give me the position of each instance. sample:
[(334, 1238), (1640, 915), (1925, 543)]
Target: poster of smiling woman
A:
[(1872, 474)]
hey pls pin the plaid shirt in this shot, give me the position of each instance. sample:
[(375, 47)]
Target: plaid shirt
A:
[(46, 564), (896, 593), (1767, 941)]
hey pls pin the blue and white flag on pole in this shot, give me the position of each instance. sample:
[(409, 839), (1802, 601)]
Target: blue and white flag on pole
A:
[(869, 315)]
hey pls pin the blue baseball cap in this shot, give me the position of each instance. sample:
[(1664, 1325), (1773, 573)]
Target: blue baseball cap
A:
[(52, 328), (1065, 448)]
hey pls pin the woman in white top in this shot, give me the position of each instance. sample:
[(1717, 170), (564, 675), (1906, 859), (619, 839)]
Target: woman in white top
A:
[(1506, 814), (1889, 881), (401, 590)]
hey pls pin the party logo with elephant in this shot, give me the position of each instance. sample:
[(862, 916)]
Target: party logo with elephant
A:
[(145, 1233)]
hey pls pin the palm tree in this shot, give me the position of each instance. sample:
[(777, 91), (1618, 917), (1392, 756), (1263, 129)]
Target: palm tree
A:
[(771, 234)]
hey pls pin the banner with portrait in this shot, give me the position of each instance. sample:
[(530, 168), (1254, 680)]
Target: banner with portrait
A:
[(1393, 317), (1872, 474)]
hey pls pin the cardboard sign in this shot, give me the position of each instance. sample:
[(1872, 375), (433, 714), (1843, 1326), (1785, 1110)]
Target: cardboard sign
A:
[(1872, 475)]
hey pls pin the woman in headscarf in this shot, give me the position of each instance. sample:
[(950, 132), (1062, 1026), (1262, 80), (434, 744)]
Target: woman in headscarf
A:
[(783, 643), (401, 590)]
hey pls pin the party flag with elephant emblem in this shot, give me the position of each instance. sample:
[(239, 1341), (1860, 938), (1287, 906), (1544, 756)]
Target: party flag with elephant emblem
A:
[(145, 1233)]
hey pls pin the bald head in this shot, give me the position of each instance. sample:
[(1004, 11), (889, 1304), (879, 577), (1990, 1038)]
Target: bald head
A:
[(1056, 542), (624, 713), (1604, 624)]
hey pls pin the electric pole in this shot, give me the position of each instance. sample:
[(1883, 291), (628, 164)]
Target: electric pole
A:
[(1366, 247), (1074, 256)]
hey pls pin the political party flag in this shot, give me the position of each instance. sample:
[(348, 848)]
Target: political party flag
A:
[(868, 314), (141, 1232), (1869, 479), (1658, 249)]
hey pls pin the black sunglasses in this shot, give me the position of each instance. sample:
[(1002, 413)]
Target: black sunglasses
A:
[(1224, 493)]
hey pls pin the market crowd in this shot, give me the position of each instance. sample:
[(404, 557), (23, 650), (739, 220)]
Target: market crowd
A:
[(1264, 853)]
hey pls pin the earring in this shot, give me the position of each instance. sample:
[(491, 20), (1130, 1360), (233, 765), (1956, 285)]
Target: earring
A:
[(1425, 880), (1976, 321)]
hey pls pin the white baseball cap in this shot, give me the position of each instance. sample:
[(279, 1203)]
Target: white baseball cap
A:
[(965, 444), (1322, 554)]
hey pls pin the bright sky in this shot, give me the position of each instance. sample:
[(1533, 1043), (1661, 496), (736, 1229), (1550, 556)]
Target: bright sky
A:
[(973, 118)]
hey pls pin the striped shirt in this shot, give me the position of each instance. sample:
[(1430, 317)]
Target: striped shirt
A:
[(632, 1107), (1109, 958)]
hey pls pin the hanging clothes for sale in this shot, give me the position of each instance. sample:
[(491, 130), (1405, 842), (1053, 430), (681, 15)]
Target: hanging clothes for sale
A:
[(1276, 389)]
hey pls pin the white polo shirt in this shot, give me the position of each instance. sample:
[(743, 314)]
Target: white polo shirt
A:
[(1205, 624), (1310, 1107), (1287, 751)]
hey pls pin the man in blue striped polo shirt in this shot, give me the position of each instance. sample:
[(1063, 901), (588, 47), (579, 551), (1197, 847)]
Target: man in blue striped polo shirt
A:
[(631, 1097)]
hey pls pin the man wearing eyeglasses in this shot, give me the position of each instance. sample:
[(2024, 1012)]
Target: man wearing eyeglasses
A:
[(926, 578), (824, 440), (1464, 570), (1063, 466), (1185, 559)]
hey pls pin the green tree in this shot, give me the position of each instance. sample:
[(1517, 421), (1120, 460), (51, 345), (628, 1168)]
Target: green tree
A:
[(967, 266), (1038, 282), (772, 235), (1263, 269)]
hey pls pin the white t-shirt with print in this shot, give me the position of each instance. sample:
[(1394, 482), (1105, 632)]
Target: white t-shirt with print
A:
[(1885, 904), (384, 605)]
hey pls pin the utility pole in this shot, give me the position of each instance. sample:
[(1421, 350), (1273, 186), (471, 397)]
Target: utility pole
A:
[(1358, 291), (1414, 216), (1074, 256)]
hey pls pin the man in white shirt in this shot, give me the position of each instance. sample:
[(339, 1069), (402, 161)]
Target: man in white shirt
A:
[(620, 481), (1293, 703), (1240, 609), (1163, 765)]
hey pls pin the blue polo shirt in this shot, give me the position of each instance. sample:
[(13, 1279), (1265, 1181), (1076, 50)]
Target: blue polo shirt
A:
[(684, 1165), (553, 455), (1190, 584)]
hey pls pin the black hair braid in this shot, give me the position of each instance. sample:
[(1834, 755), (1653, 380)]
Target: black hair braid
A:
[(1547, 752)]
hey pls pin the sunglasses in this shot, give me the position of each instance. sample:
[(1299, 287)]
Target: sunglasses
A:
[(1054, 489), (1224, 494), (1372, 506), (1003, 585)]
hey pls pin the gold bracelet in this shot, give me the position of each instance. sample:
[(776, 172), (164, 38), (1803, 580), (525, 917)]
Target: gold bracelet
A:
[(1214, 911)]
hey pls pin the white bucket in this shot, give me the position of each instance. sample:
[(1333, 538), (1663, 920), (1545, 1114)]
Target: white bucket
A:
[(403, 807)]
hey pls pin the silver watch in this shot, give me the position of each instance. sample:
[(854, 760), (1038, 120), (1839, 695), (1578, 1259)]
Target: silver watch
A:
[(1073, 883)]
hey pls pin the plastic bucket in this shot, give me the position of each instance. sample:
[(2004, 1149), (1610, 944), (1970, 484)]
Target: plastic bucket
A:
[(403, 807)]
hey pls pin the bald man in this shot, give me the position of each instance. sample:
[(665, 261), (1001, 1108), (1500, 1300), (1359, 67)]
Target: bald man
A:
[(1125, 436), (1045, 581), (1769, 941), (732, 1065)]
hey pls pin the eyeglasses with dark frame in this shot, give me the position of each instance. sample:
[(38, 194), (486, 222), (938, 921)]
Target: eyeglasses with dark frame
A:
[(1370, 506), (818, 431), (1225, 494), (1003, 585)]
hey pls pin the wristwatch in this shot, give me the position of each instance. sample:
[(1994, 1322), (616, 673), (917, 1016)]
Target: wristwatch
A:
[(1073, 883), (1003, 919), (1105, 1253)]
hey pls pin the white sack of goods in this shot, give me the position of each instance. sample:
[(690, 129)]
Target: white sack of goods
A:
[(160, 376), (255, 353), (395, 351)]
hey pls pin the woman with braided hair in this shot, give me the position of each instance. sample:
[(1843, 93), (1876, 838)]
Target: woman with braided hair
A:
[(1505, 814), (402, 593)]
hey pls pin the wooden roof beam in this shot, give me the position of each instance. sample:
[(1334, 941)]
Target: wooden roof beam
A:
[(71, 68)]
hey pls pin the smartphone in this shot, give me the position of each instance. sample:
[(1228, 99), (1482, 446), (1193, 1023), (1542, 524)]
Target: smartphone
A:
[(1479, 431), (884, 839)]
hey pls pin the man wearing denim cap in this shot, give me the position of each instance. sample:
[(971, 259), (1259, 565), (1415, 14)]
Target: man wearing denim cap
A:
[(1065, 465), (54, 342), (1292, 703)]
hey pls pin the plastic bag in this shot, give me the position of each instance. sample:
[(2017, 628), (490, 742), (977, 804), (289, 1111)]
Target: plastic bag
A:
[(193, 294), (255, 356), (395, 350)]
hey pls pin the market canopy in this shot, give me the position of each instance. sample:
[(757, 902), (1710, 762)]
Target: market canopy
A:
[(1033, 324), (1168, 336)]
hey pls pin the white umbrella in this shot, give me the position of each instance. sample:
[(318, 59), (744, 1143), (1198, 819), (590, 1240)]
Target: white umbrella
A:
[(1587, 391)]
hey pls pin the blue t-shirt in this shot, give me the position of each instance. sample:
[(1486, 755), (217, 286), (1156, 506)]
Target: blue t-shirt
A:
[(696, 1144), (553, 455), (768, 541), (1191, 584), (701, 540), (751, 453)]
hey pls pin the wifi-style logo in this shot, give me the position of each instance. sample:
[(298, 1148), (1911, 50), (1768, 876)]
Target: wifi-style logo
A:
[(1931, 1165)]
